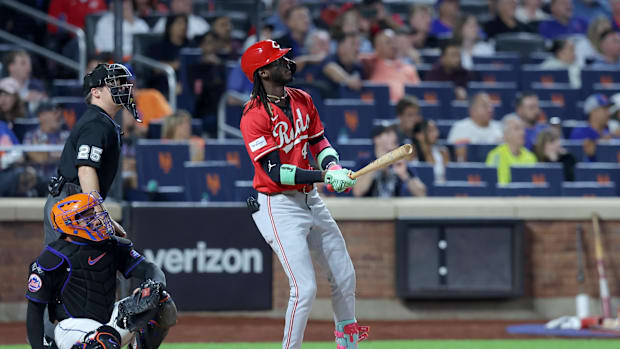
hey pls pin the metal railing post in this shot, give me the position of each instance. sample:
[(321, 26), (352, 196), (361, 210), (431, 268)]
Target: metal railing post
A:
[(170, 74)]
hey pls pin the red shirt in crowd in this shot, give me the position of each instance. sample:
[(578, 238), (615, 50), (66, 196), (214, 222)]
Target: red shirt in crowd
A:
[(74, 11)]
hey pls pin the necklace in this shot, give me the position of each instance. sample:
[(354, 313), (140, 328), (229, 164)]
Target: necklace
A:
[(277, 99)]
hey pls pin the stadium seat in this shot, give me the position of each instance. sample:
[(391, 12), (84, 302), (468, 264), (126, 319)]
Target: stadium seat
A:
[(499, 59), (233, 115), (425, 173), (444, 127), (372, 92), (523, 189), (589, 189), (531, 74), (162, 162), (551, 110), (606, 89), (355, 149), (569, 125), (67, 88), (472, 172), (592, 76), (561, 95), (538, 57), (523, 44), (210, 181), (22, 125), (461, 189), (599, 172), (492, 74), (550, 173), (232, 151), (154, 130), (574, 147), (141, 45), (347, 118), (433, 92), (608, 152), (478, 152), (243, 190), (187, 57), (72, 108), (90, 26), (502, 94), (430, 56), (458, 110)]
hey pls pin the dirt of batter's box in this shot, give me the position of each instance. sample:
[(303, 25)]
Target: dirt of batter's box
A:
[(228, 329)]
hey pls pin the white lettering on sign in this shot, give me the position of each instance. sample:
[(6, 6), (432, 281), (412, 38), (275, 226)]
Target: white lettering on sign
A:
[(207, 260)]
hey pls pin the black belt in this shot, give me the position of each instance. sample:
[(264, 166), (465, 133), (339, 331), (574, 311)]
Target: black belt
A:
[(59, 185)]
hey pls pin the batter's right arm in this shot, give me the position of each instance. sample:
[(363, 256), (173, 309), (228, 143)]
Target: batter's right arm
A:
[(288, 174), (34, 324)]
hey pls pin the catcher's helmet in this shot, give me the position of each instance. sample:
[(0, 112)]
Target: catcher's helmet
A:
[(76, 216), (259, 55), (119, 79)]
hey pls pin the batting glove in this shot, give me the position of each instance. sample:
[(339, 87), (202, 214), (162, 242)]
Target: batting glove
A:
[(339, 179), (331, 187)]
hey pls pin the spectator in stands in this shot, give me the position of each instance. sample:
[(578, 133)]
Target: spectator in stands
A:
[(178, 127), (73, 12), (511, 152), (196, 25), (562, 21), (265, 34), (404, 47), (8, 138), (449, 68), (505, 20), (528, 110), (614, 115), (167, 50), (298, 23), (383, 66), (350, 22), (420, 18), (228, 48), (468, 32), (609, 47), (393, 181), (11, 105), (530, 12), (408, 114), (310, 65), (587, 49), (19, 67), (49, 132), (145, 8), (278, 18), (208, 80), (564, 58), (449, 12), (379, 16), (597, 108), (427, 150), (238, 87), (25, 27), (548, 148), (478, 128), (104, 36), (343, 68)]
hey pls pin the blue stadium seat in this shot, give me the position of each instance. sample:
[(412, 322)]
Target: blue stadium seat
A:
[(232, 151), (162, 162), (187, 57), (478, 152), (155, 128), (608, 152), (589, 189), (606, 89), (492, 74), (210, 181), (347, 118), (425, 173), (531, 74), (458, 110), (499, 59), (444, 127), (574, 147), (472, 172), (430, 56), (243, 189), (433, 92), (550, 173), (599, 172), (561, 95), (67, 88), (378, 94), (551, 110), (461, 189), (523, 189), (502, 94), (22, 125), (536, 58), (592, 76), (72, 108), (569, 125), (430, 111), (234, 114), (355, 149)]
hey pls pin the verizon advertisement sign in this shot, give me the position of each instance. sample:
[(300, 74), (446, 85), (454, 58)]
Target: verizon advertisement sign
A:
[(214, 258)]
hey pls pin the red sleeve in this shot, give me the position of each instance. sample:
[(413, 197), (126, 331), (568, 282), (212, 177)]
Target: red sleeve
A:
[(256, 131), (56, 11), (316, 126)]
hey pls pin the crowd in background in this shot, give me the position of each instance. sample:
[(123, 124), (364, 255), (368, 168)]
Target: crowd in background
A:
[(336, 45)]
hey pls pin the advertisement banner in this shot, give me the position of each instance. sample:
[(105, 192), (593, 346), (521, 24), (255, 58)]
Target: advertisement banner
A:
[(214, 258)]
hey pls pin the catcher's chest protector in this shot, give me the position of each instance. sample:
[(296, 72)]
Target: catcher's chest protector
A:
[(89, 290)]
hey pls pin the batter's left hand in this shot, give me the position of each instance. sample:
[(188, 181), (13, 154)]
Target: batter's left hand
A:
[(339, 179)]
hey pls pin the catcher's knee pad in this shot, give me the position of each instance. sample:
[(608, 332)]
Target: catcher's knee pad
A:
[(167, 311), (151, 336), (348, 333), (105, 337)]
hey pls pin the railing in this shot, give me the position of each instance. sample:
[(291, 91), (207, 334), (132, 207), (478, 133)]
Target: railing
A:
[(170, 74), (79, 65), (222, 128)]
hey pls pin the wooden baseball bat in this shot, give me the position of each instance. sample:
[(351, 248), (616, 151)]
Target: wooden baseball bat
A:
[(602, 279), (385, 160)]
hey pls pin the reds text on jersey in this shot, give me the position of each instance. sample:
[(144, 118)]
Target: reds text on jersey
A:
[(263, 134)]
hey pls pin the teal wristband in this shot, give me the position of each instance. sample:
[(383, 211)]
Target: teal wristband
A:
[(325, 153), (287, 174)]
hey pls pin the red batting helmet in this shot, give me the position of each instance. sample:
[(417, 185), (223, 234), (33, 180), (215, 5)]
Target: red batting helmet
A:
[(259, 55)]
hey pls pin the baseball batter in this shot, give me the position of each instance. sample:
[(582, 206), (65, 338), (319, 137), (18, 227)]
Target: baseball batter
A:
[(281, 127)]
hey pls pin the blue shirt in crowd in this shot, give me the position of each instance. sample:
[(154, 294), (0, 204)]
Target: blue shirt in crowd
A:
[(552, 29)]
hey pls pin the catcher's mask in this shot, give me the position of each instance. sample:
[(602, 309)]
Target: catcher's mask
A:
[(119, 80), (82, 215)]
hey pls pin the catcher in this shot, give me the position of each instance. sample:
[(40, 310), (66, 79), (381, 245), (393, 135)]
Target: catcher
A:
[(76, 277)]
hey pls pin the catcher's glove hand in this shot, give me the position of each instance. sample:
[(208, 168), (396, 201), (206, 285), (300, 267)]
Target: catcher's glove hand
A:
[(139, 308)]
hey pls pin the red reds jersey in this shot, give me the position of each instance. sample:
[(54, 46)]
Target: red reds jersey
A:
[(263, 134)]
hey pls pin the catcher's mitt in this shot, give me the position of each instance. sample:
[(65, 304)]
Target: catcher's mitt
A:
[(136, 310)]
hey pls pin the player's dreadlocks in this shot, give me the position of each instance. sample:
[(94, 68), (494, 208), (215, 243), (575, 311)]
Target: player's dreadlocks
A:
[(259, 94)]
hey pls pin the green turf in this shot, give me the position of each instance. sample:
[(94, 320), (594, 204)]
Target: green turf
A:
[(413, 344)]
